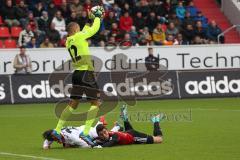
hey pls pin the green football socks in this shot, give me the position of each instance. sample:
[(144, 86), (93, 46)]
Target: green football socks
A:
[(64, 116), (92, 113)]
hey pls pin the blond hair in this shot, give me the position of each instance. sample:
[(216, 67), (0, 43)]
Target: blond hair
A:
[(70, 27)]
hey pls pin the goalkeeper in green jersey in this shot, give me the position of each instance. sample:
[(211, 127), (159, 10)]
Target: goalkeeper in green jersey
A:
[(83, 79)]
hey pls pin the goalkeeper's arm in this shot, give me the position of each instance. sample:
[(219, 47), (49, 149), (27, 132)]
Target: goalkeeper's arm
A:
[(90, 31)]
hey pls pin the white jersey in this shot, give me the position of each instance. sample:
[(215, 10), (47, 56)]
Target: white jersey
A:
[(71, 136)]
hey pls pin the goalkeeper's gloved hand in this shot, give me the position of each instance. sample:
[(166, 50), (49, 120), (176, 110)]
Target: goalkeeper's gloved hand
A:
[(96, 11), (98, 14)]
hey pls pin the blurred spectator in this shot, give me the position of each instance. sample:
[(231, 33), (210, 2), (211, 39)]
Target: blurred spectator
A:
[(158, 8), (63, 42), (200, 31), (151, 21), (65, 9), (143, 14), (143, 6), (174, 19), (32, 3), (22, 62), (189, 33), (30, 20), (158, 35), (107, 4), (9, 14), (87, 5), (111, 40), (213, 31), (139, 21), (179, 40), (44, 22), (169, 40), (72, 18), (145, 37), (52, 10), (60, 24), (109, 20), (134, 35), (175, 2), (172, 29), (33, 43), (192, 9), (126, 8), (126, 22), (83, 19), (180, 11), (38, 9), (188, 20), (25, 36), (168, 6), (126, 40), (201, 18), (76, 7), (101, 36), (57, 2), (21, 12), (198, 40), (117, 11), (151, 62), (115, 32), (53, 35), (46, 44), (101, 44)]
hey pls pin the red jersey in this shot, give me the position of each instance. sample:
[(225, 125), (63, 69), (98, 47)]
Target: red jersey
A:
[(119, 138)]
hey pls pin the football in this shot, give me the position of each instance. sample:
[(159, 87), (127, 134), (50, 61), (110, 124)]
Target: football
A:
[(97, 11)]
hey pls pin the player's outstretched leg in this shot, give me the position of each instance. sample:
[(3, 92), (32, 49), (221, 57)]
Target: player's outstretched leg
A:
[(157, 132), (124, 117), (67, 112), (92, 113), (117, 127)]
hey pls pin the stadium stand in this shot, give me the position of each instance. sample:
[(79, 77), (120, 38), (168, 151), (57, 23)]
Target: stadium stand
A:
[(148, 22), (10, 43), (1, 44), (212, 11), (4, 32), (15, 31)]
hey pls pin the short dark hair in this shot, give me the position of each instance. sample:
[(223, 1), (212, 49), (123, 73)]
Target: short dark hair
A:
[(48, 135), (99, 128)]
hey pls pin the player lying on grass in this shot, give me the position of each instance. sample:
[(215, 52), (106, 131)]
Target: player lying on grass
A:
[(129, 136), (71, 136)]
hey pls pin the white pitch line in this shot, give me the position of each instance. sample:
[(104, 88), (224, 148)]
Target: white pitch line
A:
[(27, 156)]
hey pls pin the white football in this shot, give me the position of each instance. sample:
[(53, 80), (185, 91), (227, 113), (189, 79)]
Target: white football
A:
[(98, 10)]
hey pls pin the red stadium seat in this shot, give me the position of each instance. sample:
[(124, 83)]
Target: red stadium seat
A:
[(10, 43), (4, 32), (17, 1), (15, 31), (1, 21), (57, 2), (1, 44)]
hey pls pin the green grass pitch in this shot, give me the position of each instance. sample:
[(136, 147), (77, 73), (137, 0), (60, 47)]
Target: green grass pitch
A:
[(194, 129)]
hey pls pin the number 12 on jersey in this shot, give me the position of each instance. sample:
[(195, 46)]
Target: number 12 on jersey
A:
[(74, 54)]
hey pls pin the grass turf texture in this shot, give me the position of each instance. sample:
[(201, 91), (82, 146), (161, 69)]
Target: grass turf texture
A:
[(209, 131)]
